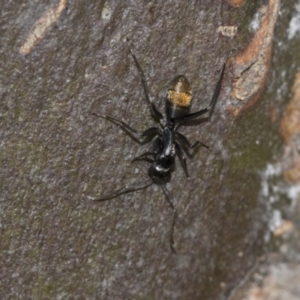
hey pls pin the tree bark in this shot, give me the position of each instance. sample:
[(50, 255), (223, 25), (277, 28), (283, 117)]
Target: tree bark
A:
[(64, 61)]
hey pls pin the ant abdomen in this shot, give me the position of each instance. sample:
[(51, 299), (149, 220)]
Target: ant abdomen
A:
[(179, 98)]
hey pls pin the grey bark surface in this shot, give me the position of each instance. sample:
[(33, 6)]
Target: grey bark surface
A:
[(57, 244)]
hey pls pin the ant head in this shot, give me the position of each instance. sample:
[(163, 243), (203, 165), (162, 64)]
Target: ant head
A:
[(159, 174)]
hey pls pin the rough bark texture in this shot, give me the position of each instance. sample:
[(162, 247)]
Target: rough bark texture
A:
[(61, 62)]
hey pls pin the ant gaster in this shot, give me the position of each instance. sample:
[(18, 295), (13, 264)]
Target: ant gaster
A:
[(168, 140)]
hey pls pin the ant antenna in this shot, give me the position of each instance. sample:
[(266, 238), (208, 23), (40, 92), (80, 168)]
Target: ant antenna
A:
[(173, 204), (124, 190)]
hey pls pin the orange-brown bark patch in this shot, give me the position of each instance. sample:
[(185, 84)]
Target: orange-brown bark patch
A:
[(251, 66)]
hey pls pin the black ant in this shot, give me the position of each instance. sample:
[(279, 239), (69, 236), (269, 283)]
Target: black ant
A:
[(168, 141)]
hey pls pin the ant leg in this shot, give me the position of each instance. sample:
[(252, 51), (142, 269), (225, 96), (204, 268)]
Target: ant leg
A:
[(145, 155), (151, 131), (173, 204), (212, 102), (126, 127), (156, 148), (154, 111), (180, 153), (157, 145), (186, 142), (124, 190)]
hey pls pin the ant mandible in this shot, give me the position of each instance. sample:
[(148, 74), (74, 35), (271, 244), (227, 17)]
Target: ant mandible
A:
[(168, 140)]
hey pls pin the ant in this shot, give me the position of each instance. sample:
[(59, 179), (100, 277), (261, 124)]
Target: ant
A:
[(168, 140)]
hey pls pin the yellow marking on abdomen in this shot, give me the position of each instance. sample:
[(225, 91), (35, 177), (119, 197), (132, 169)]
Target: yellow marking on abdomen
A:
[(182, 99)]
